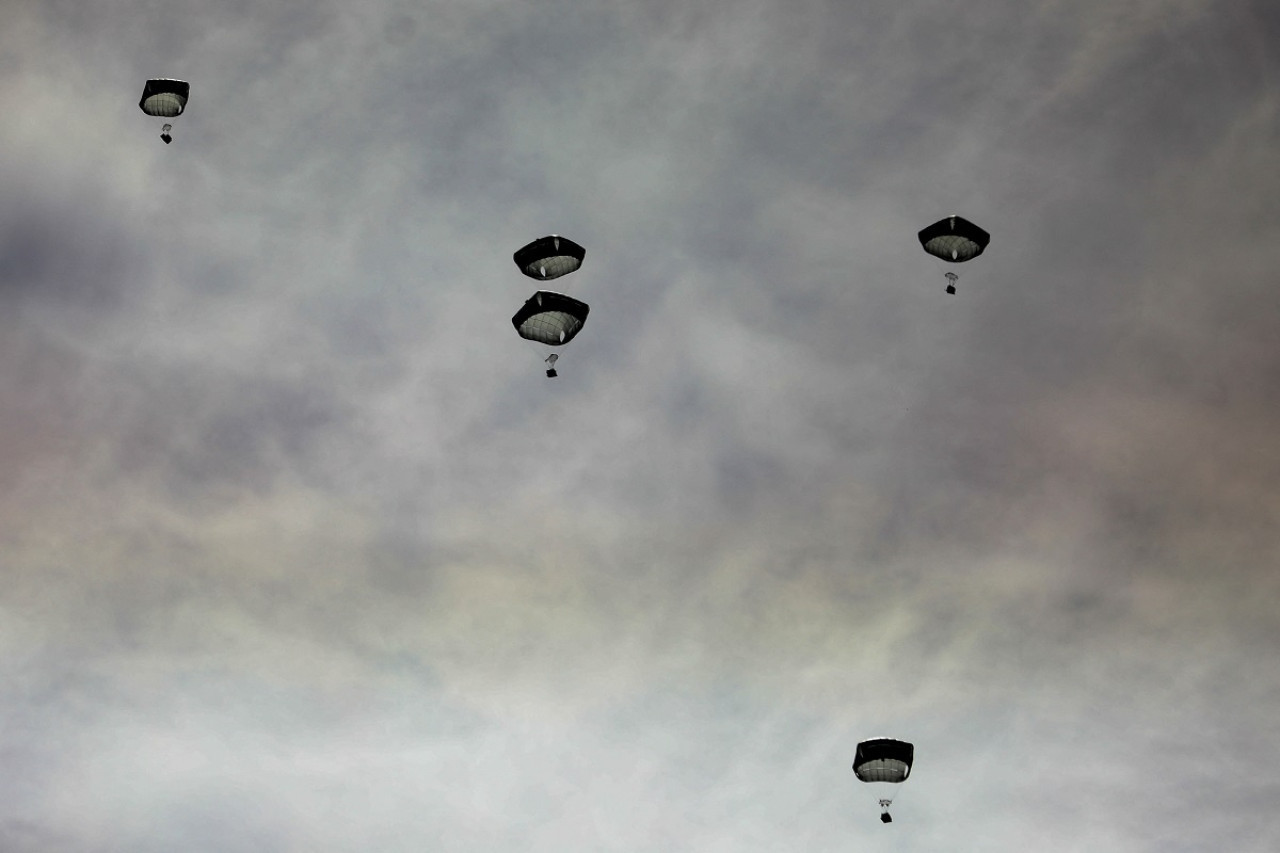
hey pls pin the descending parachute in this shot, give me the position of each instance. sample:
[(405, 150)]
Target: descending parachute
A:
[(955, 240), (549, 257), (884, 762), (167, 99), (552, 319)]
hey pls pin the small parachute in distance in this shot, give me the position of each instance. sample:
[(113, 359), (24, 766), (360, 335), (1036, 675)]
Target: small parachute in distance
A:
[(954, 240), (165, 98), (549, 257), (884, 760), (552, 319)]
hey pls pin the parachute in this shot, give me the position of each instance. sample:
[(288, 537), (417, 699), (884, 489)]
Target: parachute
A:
[(549, 257), (954, 240), (165, 98), (552, 319), (884, 762)]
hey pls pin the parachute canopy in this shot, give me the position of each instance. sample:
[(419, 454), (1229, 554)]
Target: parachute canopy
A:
[(550, 318), (883, 760), (164, 97), (550, 257), (954, 239)]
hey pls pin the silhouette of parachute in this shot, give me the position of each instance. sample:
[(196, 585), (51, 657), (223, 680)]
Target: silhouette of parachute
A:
[(549, 257), (884, 760), (165, 98), (550, 318), (954, 239)]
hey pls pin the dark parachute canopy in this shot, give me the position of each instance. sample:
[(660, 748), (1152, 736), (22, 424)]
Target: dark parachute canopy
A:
[(167, 99), (954, 239), (884, 760), (550, 318), (549, 257)]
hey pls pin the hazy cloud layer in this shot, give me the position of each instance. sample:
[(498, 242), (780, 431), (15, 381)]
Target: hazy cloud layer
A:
[(302, 552)]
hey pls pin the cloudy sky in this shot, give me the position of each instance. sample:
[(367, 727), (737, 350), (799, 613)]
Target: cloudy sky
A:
[(300, 551)]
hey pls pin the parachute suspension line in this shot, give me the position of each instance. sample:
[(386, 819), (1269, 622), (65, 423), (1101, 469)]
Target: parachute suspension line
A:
[(951, 282)]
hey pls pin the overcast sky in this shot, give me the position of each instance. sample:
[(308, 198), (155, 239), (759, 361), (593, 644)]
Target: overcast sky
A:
[(300, 550)]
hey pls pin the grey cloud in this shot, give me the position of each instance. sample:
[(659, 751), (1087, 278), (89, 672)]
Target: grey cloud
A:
[(303, 552)]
